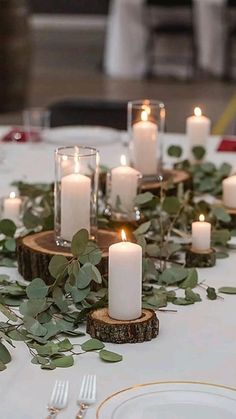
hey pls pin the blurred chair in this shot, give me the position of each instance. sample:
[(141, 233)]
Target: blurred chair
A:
[(89, 112), (171, 28), (230, 22)]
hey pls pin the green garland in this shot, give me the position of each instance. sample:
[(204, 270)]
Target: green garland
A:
[(45, 317)]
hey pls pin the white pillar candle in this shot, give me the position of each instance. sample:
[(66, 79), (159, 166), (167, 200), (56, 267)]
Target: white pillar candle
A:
[(12, 208), (75, 204), (125, 281), (201, 234), (198, 129), (229, 192), (124, 185), (145, 145)]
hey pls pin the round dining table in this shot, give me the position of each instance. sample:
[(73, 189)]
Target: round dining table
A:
[(195, 344)]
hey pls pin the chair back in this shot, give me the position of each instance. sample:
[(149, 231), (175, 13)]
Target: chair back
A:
[(89, 112), (170, 3)]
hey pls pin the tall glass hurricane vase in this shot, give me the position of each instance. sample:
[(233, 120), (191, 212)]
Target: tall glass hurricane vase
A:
[(76, 187), (146, 124)]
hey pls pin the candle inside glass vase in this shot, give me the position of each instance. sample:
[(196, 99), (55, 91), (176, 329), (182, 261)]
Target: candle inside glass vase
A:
[(75, 203), (201, 235), (124, 186), (145, 144), (125, 280)]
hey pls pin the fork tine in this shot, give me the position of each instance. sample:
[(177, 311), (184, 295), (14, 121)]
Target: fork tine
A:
[(94, 387), (82, 386), (86, 388), (66, 392), (61, 394), (53, 392)]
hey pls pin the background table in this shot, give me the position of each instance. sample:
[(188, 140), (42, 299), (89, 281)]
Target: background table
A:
[(198, 343), (125, 52)]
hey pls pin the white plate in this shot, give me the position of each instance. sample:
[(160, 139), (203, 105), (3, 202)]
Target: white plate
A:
[(170, 400), (82, 135)]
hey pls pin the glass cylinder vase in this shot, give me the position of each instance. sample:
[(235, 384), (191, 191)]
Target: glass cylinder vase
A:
[(146, 123), (76, 187), (122, 186)]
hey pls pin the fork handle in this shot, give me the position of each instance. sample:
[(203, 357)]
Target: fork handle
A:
[(52, 414), (82, 409)]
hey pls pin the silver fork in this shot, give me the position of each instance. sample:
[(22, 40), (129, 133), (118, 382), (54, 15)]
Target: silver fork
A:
[(59, 398), (87, 394)]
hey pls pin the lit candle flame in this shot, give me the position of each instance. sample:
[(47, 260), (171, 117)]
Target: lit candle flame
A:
[(197, 111), (144, 115), (12, 195), (123, 235), (123, 160), (201, 217), (64, 157)]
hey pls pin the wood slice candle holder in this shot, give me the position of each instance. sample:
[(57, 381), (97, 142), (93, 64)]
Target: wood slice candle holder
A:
[(176, 176), (151, 184), (106, 329), (35, 251), (197, 259), (232, 213)]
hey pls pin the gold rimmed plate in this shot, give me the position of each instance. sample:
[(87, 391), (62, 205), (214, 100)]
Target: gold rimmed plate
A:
[(170, 400)]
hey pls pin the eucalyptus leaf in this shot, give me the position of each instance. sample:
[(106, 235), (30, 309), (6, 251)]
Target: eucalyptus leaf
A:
[(30, 220), (227, 290), (92, 345), (175, 151), (221, 255), (10, 245), (34, 327), (2, 366), (64, 345), (192, 296), (173, 275), (211, 293), (109, 356), (57, 266), (220, 237), (180, 301), (8, 313), (198, 152), (5, 355), (79, 295), (37, 289), (221, 214), (49, 366), (191, 280), (59, 299), (143, 198), (87, 273), (91, 254), (143, 228), (7, 262), (18, 335), (79, 242), (171, 204), (7, 227), (63, 362)]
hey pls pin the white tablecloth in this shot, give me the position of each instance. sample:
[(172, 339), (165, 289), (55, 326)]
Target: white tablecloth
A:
[(125, 52), (198, 343)]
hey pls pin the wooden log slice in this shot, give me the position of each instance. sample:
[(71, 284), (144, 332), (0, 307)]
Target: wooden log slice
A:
[(176, 176), (35, 251), (197, 259), (150, 183), (106, 329)]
